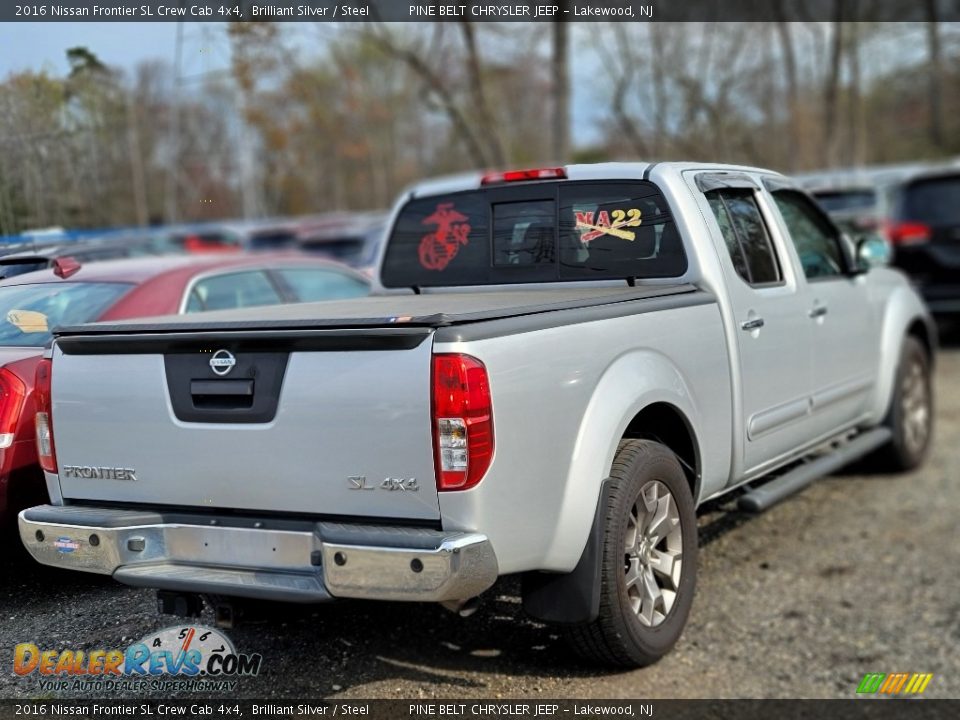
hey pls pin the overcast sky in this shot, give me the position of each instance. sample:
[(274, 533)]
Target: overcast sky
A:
[(42, 46)]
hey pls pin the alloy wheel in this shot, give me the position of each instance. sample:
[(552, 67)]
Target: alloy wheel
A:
[(653, 554)]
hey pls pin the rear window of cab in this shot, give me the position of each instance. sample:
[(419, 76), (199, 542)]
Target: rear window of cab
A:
[(537, 232)]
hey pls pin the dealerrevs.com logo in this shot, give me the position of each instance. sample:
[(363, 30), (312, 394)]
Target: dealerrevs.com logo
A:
[(894, 683), (191, 657)]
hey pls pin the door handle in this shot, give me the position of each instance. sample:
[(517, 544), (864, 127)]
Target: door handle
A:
[(223, 388), (818, 311), (754, 324)]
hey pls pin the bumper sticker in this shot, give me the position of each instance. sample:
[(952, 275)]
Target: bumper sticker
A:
[(66, 545)]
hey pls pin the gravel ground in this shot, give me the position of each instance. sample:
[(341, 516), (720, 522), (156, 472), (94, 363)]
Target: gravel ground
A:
[(859, 573)]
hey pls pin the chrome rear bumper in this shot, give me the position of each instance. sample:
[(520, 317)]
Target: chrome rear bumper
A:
[(269, 559)]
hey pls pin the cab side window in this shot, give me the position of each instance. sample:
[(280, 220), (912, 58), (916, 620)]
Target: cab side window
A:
[(745, 235), (816, 240)]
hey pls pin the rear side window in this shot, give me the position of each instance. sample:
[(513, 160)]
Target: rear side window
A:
[(745, 235), (233, 290), (309, 285), (935, 201), (535, 233)]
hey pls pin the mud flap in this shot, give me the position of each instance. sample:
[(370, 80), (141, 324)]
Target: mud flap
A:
[(572, 597)]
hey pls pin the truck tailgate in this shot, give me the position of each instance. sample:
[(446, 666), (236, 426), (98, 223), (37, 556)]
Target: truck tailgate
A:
[(333, 423)]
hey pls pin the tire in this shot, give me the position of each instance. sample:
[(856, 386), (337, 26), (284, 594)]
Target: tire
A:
[(910, 417), (631, 630)]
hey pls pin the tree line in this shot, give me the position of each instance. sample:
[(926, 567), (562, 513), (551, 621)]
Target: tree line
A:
[(345, 117)]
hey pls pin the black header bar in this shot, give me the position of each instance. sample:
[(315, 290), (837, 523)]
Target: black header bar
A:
[(473, 709), (328, 11)]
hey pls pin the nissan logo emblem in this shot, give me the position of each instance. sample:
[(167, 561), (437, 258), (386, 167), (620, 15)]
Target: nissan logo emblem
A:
[(222, 362)]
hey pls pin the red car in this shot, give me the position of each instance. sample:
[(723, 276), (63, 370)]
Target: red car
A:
[(33, 304)]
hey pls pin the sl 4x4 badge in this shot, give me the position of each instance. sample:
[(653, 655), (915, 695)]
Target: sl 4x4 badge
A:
[(360, 482)]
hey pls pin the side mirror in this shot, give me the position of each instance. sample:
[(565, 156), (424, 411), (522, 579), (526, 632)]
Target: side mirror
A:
[(873, 251)]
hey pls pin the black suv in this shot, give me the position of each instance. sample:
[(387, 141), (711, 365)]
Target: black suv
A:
[(924, 229)]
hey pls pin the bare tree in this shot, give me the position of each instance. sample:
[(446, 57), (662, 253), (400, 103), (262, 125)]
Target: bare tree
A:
[(137, 174), (560, 67), (481, 104), (622, 66), (934, 73), (831, 90), (788, 58), (856, 113), (429, 73)]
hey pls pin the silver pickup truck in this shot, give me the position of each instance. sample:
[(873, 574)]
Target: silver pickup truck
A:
[(572, 360)]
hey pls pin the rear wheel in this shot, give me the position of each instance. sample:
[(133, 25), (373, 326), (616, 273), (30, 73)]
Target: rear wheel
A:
[(649, 560), (911, 410)]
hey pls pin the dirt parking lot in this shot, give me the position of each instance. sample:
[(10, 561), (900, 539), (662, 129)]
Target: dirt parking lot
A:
[(857, 574)]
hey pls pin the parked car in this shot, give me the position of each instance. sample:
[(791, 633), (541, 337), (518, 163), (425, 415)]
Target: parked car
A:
[(230, 236), (916, 208), (39, 257), (855, 210), (351, 238), (924, 228), (33, 304), (584, 355)]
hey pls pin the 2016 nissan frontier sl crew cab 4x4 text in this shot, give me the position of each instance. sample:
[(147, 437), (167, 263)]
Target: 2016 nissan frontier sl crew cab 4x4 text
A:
[(582, 356)]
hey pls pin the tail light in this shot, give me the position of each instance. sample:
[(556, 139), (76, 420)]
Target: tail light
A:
[(46, 451), (12, 395), (908, 233), (557, 173), (462, 421)]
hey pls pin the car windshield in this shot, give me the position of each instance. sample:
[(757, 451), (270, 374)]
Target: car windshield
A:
[(29, 313), (834, 200), (935, 200)]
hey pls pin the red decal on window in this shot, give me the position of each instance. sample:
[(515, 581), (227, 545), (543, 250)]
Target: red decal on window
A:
[(621, 219), (438, 248), (584, 218)]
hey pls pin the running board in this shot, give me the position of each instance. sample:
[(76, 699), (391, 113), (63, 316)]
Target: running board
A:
[(766, 496)]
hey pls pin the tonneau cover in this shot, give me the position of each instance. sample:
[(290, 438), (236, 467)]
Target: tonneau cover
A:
[(432, 310)]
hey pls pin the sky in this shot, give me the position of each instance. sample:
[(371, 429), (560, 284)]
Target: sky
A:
[(42, 46), (38, 46)]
